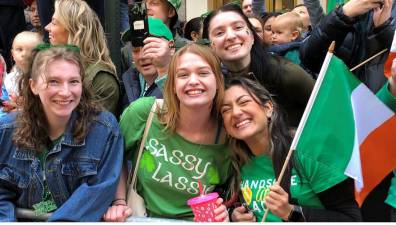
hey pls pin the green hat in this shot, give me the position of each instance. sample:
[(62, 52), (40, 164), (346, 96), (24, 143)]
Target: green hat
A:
[(175, 3), (157, 28)]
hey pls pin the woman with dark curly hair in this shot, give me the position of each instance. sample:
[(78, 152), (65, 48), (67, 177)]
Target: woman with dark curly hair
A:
[(260, 142)]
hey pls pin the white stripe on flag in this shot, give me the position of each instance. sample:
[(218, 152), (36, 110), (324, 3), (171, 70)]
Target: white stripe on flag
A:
[(393, 46), (369, 113)]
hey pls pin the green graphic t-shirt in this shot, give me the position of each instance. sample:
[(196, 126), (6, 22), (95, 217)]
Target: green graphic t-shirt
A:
[(171, 166), (258, 175)]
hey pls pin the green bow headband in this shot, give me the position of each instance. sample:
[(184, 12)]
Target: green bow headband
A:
[(45, 46)]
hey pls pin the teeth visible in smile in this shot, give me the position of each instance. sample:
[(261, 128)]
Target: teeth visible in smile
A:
[(232, 47), (194, 92), (238, 125), (62, 102)]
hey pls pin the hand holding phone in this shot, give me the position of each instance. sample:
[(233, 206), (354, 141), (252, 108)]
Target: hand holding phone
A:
[(138, 22)]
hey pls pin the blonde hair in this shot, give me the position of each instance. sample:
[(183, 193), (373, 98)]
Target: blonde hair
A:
[(85, 31), (29, 38), (24, 34), (170, 116), (291, 20)]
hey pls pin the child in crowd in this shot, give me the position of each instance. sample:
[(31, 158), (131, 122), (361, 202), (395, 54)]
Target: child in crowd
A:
[(286, 33), (21, 51), (302, 10)]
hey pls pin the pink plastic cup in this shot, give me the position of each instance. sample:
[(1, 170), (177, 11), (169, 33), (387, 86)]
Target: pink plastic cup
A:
[(203, 206)]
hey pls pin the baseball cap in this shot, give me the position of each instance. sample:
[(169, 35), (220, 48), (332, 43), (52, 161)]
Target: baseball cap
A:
[(157, 28), (175, 3)]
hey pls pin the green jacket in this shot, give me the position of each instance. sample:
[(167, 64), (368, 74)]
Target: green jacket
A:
[(105, 86)]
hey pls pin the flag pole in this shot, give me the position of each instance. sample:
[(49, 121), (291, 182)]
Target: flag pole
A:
[(304, 118), (312, 98), (368, 60)]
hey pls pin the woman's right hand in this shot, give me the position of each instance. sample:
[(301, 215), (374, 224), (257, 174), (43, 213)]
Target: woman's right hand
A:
[(117, 213), (240, 214)]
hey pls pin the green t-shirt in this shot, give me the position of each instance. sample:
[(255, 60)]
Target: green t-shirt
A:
[(258, 175), (386, 97), (47, 203), (171, 166)]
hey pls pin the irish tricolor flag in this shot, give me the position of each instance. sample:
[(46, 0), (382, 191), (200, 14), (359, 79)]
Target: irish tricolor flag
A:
[(346, 127)]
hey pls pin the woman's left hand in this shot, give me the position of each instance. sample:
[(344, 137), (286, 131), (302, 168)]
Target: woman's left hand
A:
[(277, 201), (221, 211)]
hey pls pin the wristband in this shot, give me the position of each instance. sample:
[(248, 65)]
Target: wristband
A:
[(116, 202)]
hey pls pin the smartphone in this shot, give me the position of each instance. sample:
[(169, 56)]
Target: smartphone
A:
[(138, 22)]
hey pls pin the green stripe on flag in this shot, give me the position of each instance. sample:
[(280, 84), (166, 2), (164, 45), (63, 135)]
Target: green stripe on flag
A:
[(328, 135), (331, 4)]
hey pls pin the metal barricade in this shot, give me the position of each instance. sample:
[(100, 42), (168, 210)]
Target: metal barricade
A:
[(29, 215)]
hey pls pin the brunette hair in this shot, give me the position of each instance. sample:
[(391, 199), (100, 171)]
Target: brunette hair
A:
[(193, 25), (280, 137), (259, 66), (32, 124)]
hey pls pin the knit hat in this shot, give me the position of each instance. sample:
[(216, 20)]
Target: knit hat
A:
[(157, 28)]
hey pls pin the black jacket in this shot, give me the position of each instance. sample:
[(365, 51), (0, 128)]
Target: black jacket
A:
[(356, 40), (131, 88), (12, 3)]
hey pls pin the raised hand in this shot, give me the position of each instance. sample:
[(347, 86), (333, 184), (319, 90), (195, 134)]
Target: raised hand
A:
[(382, 14), (355, 8)]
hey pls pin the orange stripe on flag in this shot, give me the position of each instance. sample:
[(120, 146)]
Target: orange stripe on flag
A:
[(377, 155)]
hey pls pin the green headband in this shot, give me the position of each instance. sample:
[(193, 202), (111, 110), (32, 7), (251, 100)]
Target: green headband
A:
[(45, 46)]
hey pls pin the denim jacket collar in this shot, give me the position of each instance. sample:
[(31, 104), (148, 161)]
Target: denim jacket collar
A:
[(67, 139)]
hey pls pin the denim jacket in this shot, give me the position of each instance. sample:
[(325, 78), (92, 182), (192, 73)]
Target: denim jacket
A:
[(82, 176)]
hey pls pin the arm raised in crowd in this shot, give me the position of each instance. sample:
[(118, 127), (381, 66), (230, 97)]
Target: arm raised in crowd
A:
[(315, 11), (339, 24)]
